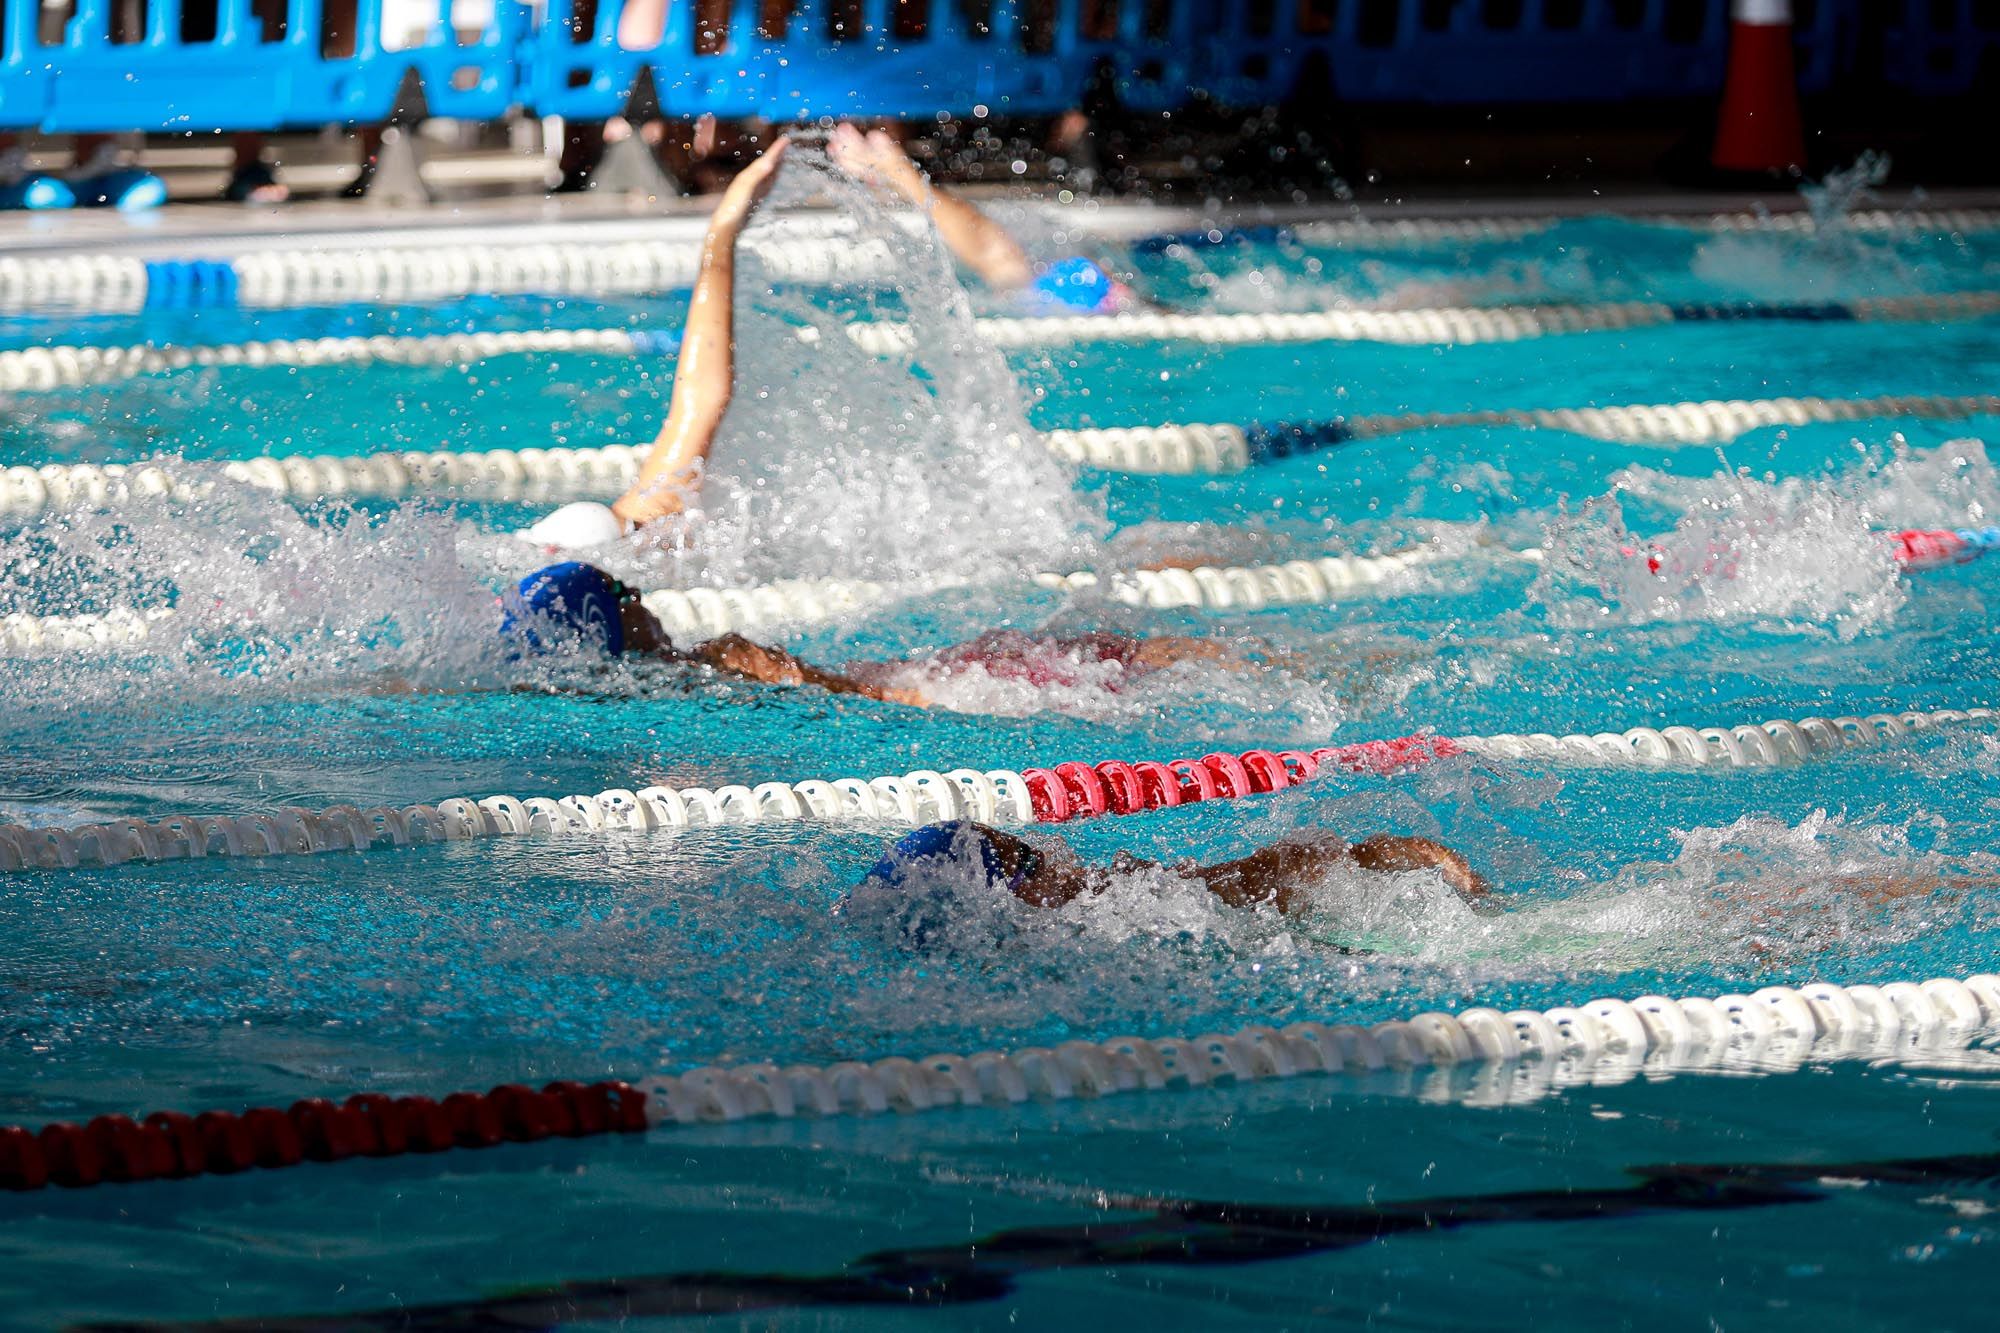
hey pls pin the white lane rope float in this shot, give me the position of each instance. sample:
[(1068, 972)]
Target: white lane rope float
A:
[(46, 369), (598, 470), (994, 796), (1523, 1054), (1455, 325)]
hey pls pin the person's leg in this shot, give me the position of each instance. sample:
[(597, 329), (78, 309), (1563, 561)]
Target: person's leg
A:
[(582, 150), (368, 139)]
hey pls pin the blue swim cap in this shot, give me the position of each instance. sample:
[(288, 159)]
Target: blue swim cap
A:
[(937, 842), (576, 601), (1076, 284), (934, 912)]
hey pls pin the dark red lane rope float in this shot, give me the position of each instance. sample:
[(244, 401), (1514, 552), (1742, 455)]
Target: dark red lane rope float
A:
[(1084, 791), (171, 1145)]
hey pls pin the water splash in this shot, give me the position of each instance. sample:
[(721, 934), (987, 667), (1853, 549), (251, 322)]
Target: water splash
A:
[(1796, 553), (832, 462), (261, 591), (1845, 189)]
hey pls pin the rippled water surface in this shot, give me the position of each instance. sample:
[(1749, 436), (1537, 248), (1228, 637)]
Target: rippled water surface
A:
[(344, 653)]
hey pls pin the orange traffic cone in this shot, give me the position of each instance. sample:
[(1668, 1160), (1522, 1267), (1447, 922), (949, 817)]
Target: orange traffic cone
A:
[(1758, 128)]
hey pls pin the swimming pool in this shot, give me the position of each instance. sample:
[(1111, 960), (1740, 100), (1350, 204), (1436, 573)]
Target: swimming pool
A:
[(257, 981)]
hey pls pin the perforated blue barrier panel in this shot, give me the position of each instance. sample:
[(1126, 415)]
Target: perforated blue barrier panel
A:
[(199, 65), (890, 58), (1943, 48), (1471, 51)]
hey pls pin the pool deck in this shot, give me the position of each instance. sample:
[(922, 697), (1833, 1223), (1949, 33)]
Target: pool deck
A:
[(206, 230)]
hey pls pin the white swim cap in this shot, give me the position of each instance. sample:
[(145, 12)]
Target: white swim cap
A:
[(577, 526)]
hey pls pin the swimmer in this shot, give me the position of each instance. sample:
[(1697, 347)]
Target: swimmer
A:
[(1070, 286), (579, 604), (1048, 874), (705, 377)]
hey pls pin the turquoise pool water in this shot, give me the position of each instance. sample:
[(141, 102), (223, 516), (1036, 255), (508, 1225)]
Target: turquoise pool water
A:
[(192, 985)]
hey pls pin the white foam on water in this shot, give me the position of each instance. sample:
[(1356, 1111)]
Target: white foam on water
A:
[(1796, 554), (1951, 485), (1786, 893), (261, 591), (1782, 892)]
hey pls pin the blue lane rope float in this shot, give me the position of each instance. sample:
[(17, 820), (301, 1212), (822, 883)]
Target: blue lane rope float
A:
[(190, 284)]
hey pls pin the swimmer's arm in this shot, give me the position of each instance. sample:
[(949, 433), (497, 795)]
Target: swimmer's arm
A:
[(1275, 875), (981, 244), (1166, 650), (1280, 874), (1877, 890), (774, 666), (705, 377)]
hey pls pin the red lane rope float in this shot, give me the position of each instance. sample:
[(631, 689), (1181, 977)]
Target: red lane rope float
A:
[(1928, 548), (172, 1145), (1913, 548), (1084, 791)]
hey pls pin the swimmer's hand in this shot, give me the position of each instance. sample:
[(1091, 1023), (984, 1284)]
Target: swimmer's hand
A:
[(753, 661), (875, 158), (645, 503), (751, 186)]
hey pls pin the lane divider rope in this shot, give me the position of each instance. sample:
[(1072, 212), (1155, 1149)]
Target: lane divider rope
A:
[(268, 278), (705, 612), (1056, 794), (1524, 1053), (1176, 449), (1432, 231), (1453, 325), (47, 368), (816, 249)]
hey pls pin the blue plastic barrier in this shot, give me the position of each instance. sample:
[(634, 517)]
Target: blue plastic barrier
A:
[(1472, 51), (1942, 48), (198, 65), (866, 58)]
